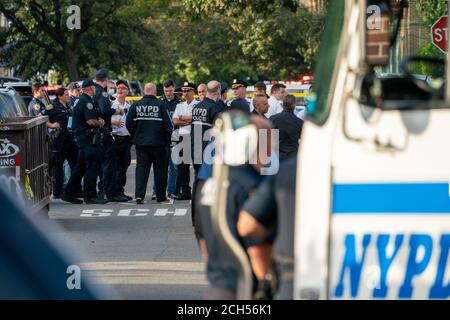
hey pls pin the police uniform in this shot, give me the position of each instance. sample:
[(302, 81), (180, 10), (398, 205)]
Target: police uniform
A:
[(73, 99), (222, 271), (236, 84), (108, 168), (274, 205), (203, 116), (63, 146), (173, 172), (88, 139), (290, 128), (151, 129), (36, 108), (182, 110)]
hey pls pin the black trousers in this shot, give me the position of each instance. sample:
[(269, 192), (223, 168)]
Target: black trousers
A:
[(123, 161), (63, 148), (146, 156), (108, 168), (86, 168), (184, 174)]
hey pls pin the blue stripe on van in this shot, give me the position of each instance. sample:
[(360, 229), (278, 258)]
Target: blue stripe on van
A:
[(395, 198)]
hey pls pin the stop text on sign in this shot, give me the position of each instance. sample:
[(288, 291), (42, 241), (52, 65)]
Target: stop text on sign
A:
[(439, 33)]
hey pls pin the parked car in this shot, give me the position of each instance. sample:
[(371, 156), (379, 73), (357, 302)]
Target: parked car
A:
[(11, 104), (25, 91)]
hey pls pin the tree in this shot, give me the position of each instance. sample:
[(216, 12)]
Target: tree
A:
[(268, 39), (39, 38)]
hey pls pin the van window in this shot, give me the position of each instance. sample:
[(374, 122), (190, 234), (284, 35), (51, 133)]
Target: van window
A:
[(7, 107), (318, 110)]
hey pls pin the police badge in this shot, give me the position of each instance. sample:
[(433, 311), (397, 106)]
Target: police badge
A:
[(90, 106), (36, 107)]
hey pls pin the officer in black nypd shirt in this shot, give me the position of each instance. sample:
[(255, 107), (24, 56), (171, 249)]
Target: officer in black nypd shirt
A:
[(150, 129), (108, 166), (86, 124), (203, 116), (63, 145)]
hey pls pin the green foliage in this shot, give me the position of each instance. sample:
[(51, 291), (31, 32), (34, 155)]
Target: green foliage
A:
[(429, 69), (431, 10), (153, 40)]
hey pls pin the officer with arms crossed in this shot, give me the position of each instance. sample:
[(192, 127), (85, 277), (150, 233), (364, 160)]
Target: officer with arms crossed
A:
[(86, 123), (150, 128), (63, 145), (182, 118)]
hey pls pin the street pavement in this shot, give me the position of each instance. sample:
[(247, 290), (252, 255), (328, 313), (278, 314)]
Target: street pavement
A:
[(140, 252)]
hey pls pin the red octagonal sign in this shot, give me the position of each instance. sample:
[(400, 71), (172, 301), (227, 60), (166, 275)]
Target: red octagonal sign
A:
[(439, 33)]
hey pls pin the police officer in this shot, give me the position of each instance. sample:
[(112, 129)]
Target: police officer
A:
[(74, 93), (223, 95), (222, 270), (289, 128), (36, 107), (63, 146), (150, 127), (203, 116), (171, 100), (240, 91), (108, 152), (182, 118), (273, 207), (87, 124)]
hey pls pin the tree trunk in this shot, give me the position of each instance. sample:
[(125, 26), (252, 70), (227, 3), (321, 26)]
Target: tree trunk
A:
[(72, 58)]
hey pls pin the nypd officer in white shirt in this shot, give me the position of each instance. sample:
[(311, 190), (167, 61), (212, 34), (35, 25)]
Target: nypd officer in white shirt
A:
[(278, 93), (122, 138), (182, 117)]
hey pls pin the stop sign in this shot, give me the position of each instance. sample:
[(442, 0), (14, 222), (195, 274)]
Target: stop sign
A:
[(439, 33)]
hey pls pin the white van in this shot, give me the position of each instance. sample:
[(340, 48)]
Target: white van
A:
[(373, 195)]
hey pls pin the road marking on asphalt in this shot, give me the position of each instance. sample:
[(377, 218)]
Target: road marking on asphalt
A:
[(133, 212), (164, 212), (145, 272)]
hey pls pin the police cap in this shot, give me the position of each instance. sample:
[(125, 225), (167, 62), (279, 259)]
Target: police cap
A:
[(73, 86), (102, 74), (238, 83), (187, 86), (122, 82), (240, 104), (87, 83), (223, 87)]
